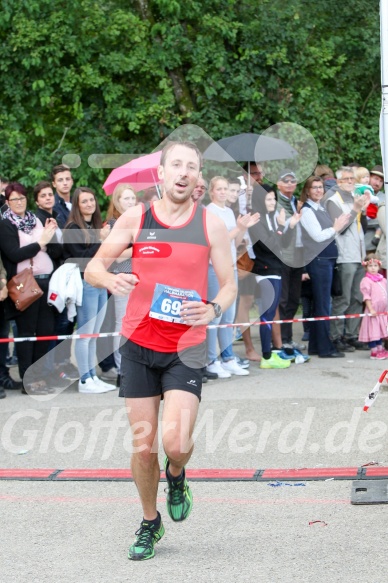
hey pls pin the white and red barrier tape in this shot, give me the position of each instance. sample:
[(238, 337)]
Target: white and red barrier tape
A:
[(209, 327)]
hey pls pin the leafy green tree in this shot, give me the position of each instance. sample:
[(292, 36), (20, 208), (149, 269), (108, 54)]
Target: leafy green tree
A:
[(94, 77)]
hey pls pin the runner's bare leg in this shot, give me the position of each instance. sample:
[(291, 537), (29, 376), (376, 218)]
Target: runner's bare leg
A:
[(180, 411), (143, 419)]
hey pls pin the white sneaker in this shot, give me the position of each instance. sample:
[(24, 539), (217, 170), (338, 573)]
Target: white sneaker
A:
[(90, 387), (100, 383), (234, 368), (217, 368), (293, 344)]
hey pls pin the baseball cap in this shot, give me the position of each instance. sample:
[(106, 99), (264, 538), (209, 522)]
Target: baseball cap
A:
[(287, 172)]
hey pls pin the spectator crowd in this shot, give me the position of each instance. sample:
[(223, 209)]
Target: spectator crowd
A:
[(324, 249)]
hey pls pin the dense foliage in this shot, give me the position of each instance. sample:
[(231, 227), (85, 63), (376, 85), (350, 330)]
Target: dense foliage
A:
[(92, 76)]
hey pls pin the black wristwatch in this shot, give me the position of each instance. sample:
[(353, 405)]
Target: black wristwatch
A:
[(217, 309)]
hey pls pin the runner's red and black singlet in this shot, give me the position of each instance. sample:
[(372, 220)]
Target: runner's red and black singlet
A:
[(174, 256)]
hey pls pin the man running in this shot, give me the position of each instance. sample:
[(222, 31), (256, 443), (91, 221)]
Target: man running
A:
[(165, 326)]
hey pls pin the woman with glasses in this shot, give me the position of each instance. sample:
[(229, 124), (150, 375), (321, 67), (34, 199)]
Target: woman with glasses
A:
[(320, 252), (24, 239)]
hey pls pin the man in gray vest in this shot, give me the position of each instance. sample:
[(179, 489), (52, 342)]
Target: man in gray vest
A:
[(351, 252)]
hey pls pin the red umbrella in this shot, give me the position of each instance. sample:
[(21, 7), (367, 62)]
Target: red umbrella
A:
[(140, 173)]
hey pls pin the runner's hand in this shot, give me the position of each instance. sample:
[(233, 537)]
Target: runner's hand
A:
[(122, 284), (196, 313)]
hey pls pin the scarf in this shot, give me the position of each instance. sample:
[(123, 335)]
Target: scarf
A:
[(374, 277), (25, 224)]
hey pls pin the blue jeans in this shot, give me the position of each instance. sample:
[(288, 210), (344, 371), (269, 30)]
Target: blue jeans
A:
[(90, 317), (224, 335), (272, 297), (320, 271), (120, 309)]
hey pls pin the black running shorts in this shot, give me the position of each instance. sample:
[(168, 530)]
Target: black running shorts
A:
[(148, 373)]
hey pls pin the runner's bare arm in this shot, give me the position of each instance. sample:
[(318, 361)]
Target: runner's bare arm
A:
[(122, 234), (198, 313)]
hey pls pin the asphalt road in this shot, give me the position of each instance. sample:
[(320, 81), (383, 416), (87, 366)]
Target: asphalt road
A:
[(307, 416)]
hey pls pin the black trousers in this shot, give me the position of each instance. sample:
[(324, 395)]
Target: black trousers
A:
[(37, 320), (290, 298), (4, 332)]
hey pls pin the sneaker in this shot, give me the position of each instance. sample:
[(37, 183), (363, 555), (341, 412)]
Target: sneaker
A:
[(60, 380), (285, 355), (11, 361), (378, 354), (301, 358), (8, 383), (342, 346), (179, 497), (37, 388), (48, 387), (295, 356), (243, 362), (70, 370), (294, 345), (306, 337), (100, 383), (274, 362), (109, 375), (90, 387), (146, 537), (232, 367), (216, 367), (2, 393), (210, 376)]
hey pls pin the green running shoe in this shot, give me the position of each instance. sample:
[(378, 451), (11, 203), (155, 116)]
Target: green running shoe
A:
[(274, 362), (179, 497), (146, 537)]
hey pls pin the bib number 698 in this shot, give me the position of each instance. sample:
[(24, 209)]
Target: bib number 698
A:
[(171, 307)]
